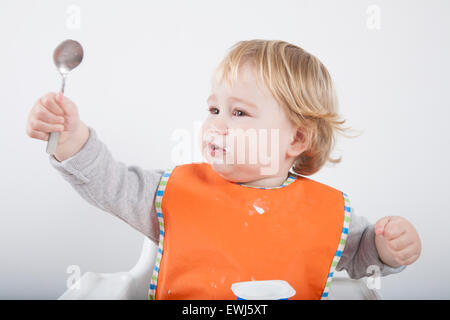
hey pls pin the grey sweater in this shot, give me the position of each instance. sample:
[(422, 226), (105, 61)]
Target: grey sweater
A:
[(128, 192)]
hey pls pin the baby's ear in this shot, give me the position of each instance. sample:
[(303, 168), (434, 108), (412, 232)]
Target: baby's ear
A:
[(299, 143)]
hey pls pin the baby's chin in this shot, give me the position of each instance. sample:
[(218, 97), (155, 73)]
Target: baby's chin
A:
[(231, 170), (226, 171), (234, 172)]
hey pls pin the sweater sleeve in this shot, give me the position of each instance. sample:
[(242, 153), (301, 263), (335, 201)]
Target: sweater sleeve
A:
[(360, 251), (127, 192)]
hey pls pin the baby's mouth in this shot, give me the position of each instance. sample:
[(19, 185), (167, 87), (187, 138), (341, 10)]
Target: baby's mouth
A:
[(214, 149)]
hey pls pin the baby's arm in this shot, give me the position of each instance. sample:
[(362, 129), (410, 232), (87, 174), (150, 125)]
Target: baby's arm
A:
[(360, 251), (128, 192)]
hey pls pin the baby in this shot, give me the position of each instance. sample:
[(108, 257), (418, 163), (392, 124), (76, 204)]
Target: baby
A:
[(238, 217)]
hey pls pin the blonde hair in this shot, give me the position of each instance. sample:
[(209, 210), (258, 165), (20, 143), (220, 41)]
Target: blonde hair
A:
[(301, 84)]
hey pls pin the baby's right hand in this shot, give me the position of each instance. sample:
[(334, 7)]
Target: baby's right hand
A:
[(53, 113)]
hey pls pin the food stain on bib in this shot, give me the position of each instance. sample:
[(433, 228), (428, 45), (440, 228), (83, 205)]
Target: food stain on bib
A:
[(257, 205), (258, 209)]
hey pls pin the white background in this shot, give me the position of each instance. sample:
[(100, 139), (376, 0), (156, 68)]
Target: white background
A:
[(146, 74)]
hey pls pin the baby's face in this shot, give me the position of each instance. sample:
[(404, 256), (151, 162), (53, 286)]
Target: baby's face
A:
[(255, 131)]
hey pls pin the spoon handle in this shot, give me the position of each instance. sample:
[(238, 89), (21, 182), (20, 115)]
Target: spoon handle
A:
[(52, 142), (53, 137)]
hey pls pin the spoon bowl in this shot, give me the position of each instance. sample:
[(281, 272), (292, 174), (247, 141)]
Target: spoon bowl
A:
[(67, 56)]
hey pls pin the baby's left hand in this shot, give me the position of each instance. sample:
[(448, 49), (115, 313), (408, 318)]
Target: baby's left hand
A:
[(397, 241)]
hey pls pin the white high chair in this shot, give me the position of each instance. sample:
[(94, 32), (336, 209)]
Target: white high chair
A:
[(133, 284)]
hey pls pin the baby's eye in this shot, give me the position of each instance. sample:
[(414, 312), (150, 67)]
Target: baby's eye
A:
[(242, 113), (211, 110)]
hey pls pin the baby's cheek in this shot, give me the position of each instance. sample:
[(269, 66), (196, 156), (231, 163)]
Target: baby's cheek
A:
[(251, 149)]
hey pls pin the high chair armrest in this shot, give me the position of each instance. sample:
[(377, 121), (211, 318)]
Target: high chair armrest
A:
[(129, 285), (100, 286), (345, 288)]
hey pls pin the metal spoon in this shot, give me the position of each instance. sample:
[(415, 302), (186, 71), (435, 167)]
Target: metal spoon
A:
[(67, 56)]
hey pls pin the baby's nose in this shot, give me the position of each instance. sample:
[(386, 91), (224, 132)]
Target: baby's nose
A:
[(219, 129)]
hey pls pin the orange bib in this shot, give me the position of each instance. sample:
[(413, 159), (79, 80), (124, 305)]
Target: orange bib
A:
[(214, 232)]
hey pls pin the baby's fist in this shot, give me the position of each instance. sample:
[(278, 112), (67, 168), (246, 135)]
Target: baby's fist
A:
[(397, 241)]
